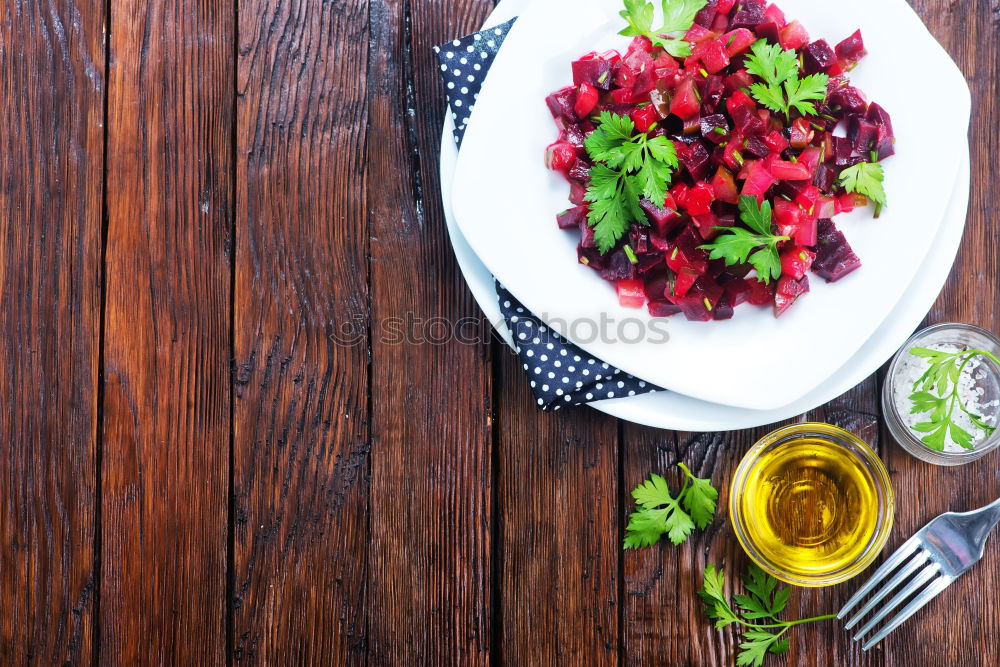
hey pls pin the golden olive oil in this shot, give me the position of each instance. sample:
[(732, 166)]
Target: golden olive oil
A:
[(810, 506)]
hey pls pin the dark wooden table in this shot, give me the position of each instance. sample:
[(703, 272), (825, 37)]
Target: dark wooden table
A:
[(197, 201)]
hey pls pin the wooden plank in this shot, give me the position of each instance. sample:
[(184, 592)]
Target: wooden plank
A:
[(429, 550), (301, 391), (165, 466), (51, 166), (560, 529), (960, 626)]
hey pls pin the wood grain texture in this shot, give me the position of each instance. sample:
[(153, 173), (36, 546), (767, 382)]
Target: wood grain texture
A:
[(301, 302), (166, 423), (430, 509), (559, 529), (961, 626), (51, 174)]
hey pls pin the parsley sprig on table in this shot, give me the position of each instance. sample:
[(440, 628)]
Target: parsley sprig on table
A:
[(660, 512), (759, 247), (764, 601), (782, 89), (627, 167), (678, 17), (865, 178), (943, 375)]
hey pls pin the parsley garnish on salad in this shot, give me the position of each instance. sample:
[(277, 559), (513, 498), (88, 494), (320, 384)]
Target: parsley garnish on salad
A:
[(782, 89), (758, 247), (626, 169), (865, 178), (678, 17)]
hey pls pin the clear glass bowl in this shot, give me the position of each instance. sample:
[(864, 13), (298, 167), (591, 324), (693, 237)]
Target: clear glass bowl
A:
[(871, 469), (899, 385)]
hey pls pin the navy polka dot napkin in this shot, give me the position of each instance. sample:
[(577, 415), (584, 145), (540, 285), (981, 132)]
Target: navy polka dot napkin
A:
[(560, 373)]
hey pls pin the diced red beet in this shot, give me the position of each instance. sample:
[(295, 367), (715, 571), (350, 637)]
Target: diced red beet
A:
[(591, 257), (807, 198), (796, 260), (664, 220), (825, 177), (572, 217), (787, 216), (758, 182), (725, 186), (775, 15), (862, 135), (595, 72), (685, 103), (618, 266), (649, 262), (737, 81), (697, 34), (715, 128), (725, 6), (852, 49), (698, 302), (723, 309), (561, 103), (770, 31), (818, 57), (775, 141), (699, 199), (834, 256), (663, 309), (760, 294), (560, 156), (789, 171), (686, 252), (848, 100), (707, 224), (706, 15), (631, 293), (794, 36), (755, 147), (695, 160), (577, 192), (788, 290), (748, 14), (806, 233), (711, 92), (738, 41), (587, 234), (586, 100), (579, 172), (747, 123), (879, 116), (683, 280), (644, 118), (843, 153), (800, 134)]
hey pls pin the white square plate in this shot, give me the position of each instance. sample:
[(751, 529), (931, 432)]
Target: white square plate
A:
[(505, 202)]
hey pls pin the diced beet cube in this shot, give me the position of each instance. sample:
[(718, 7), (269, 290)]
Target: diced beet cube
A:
[(706, 15), (595, 72), (725, 186), (738, 41), (759, 294), (649, 262), (758, 182), (796, 260), (885, 143), (725, 6), (699, 199), (713, 56), (787, 216), (879, 116), (587, 234), (683, 280), (848, 100), (560, 156), (756, 147), (775, 15), (586, 100), (580, 172), (748, 14), (818, 57), (711, 94), (862, 135), (663, 309), (806, 233), (561, 103), (686, 252), (715, 128), (577, 192), (788, 290), (794, 36), (591, 257), (852, 49), (800, 134), (618, 266), (747, 122), (644, 117), (789, 171), (834, 256), (775, 141), (825, 177), (723, 309), (843, 153), (770, 31), (738, 80), (700, 299), (695, 160), (664, 220), (685, 103), (631, 293), (572, 217)]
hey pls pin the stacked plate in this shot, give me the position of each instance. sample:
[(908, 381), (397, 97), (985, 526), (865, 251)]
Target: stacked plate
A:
[(500, 204)]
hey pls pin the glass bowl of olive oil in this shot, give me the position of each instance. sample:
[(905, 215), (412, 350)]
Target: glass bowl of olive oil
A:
[(811, 504)]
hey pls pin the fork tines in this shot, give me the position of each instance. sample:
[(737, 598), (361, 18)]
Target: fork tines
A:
[(916, 575)]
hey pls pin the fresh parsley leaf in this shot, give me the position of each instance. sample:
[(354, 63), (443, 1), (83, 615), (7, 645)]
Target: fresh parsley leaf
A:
[(735, 245), (865, 178), (765, 601), (626, 169), (782, 90), (943, 375), (678, 17), (661, 513)]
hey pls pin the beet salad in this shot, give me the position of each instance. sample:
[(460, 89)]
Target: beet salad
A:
[(707, 162)]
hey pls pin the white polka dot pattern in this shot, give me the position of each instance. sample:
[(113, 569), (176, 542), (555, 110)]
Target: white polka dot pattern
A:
[(464, 64)]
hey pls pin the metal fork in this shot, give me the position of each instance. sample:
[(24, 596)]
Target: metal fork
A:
[(924, 566)]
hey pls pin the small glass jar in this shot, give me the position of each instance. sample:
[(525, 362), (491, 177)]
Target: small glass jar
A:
[(824, 551), (898, 386)]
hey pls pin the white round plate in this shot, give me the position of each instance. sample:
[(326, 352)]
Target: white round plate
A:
[(504, 200), (670, 410)]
